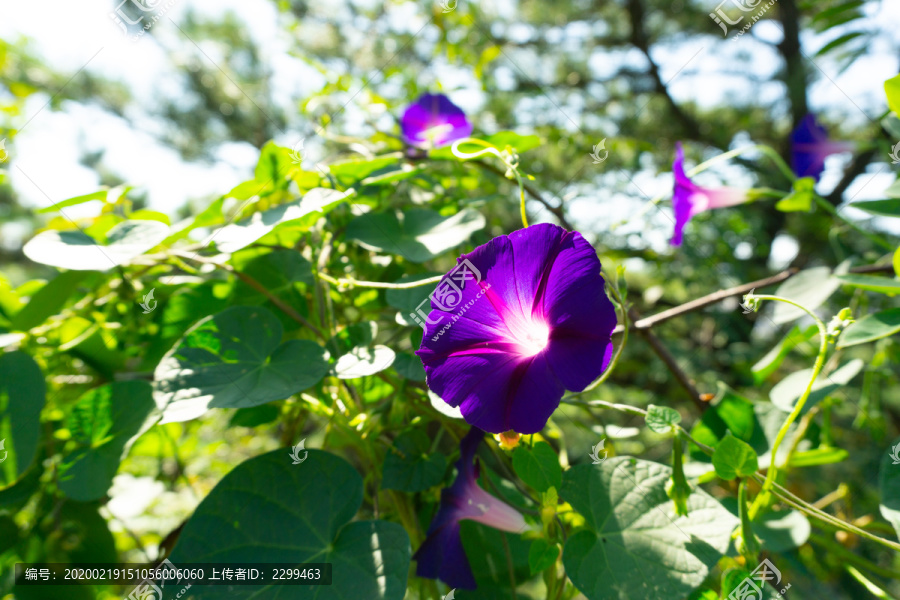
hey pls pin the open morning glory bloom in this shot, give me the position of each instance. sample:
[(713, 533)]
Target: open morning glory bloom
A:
[(690, 199), (441, 555), (433, 121), (517, 322), (810, 146)]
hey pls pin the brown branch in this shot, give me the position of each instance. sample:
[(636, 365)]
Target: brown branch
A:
[(738, 290), (278, 302), (664, 355), (641, 41)]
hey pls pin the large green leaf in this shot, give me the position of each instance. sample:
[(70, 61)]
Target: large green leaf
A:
[(809, 288), (871, 327), (417, 234), (303, 213), (104, 422), (268, 510), (409, 466), (786, 393), (634, 545), (233, 360), (889, 485), (22, 395), (78, 251)]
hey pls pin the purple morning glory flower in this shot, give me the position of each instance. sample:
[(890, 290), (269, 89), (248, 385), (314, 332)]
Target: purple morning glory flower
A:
[(441, 555), (690, 199), (433, 121), (809, 147), (517, 322)]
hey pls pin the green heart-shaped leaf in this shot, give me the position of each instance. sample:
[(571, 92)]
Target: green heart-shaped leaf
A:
[(538, 466), (634, 545), (234, 359), (734, 458), (268, 510), (661, 419)]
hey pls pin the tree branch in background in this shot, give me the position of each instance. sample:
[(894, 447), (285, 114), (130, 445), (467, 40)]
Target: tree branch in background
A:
[(664, 355), (738, 290), (641, 41)]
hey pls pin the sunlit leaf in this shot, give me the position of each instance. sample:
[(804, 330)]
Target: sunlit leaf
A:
[(633, 544), (417, 234), (80, 252), (234, 359), (786, 393), (269, 510)]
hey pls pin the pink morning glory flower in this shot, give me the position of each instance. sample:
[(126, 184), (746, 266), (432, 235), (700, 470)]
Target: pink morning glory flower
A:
[(690, 199), (441, 555), (810, 146), (434, 121), (517, 322)]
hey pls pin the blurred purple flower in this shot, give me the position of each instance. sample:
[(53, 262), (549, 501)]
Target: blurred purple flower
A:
[(809, 147), (690, 199), (520, 320), (434, 121), (441, 555)]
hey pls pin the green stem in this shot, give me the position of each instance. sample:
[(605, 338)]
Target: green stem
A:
[(751, 545), (618, 354), (763, 495), (489, 149)]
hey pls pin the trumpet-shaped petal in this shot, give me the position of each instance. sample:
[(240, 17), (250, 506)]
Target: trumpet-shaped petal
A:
[(810, 146), (690, 199), (535, 322), (441, 555), (434, 121)]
